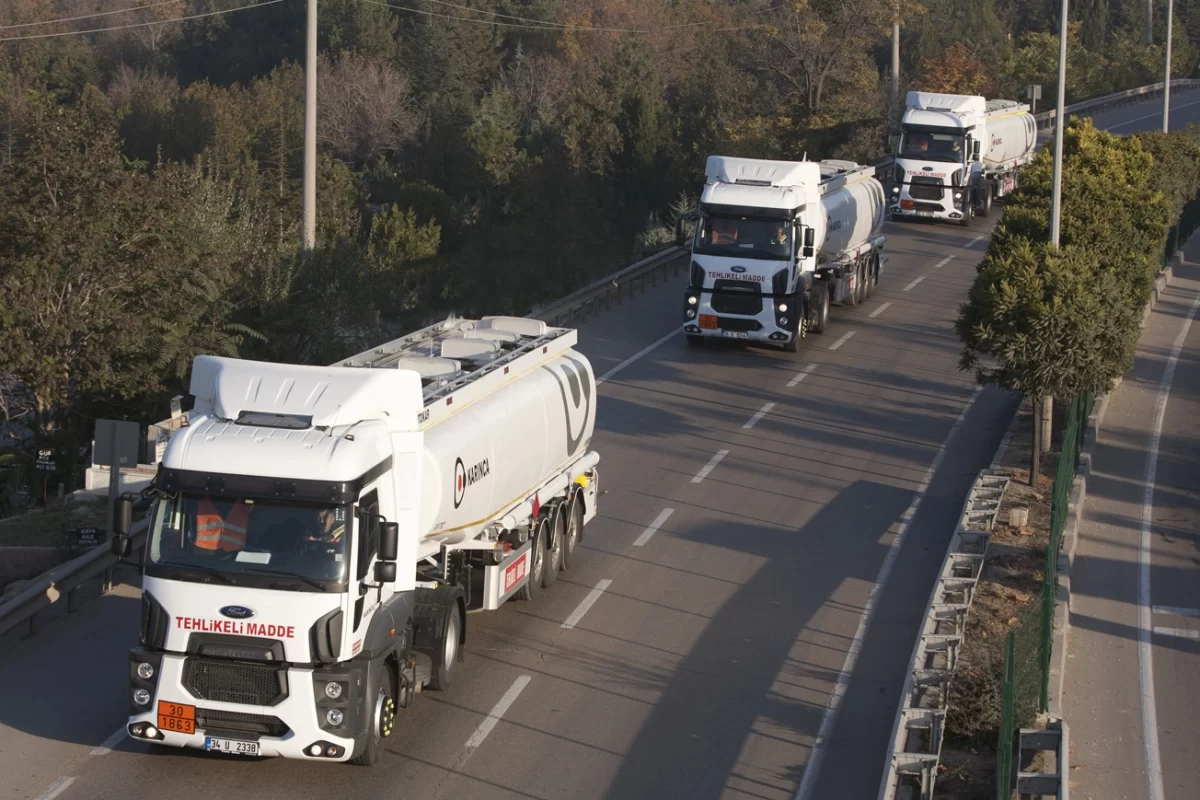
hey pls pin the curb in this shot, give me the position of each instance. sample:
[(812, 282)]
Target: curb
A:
[(1066, 556)]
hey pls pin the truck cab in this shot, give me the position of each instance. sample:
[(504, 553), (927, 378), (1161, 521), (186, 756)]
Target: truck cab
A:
[(937, 152)]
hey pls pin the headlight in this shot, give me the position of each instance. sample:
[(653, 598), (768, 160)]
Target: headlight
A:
[(782, 308), (333, 690), (691, 299), (145, 671), (141, 697), (334, 716), (958, 195), (895, 190)]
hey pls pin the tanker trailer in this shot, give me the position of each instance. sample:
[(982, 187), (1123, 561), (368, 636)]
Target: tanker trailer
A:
[(776, 242), (319, 533), (956, 154)]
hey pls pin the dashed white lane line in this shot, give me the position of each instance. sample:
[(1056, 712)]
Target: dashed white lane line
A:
[(636, 356), (712, 463), (1175, 611), (975, 241), (801, 375), (914, 283), (879, 311), (1179, 633), (587, 603), (497, 713), (654, 526), (845, 338), (762, 412), (110, 743), (808, 782), (56, 788), (945, 261)]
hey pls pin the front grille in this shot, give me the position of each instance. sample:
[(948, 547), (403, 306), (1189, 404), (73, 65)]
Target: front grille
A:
[(925, 188), (928, 207), (235, 682), (737, 324), (736, 297), (242, 723)]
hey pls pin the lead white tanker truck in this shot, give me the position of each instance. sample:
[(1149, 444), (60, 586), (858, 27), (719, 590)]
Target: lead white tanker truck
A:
[(956, 154), (317, 534), (776, 242)]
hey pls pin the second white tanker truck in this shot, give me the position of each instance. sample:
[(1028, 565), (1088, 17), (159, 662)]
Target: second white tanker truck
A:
[(318, 533), (957, 153), (776, 243)]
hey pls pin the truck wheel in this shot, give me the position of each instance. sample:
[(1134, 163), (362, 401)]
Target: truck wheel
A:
[(537, 565), (872, 273), (864, 280), (985, 207), (968, 215), (851, 297), (381, 716), (447, 653), (556, 530), (574, 530), (820, 308), (794, 345)]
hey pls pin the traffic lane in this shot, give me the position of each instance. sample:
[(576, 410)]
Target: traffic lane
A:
[(1147, 115), (64, 692), (722, 529)]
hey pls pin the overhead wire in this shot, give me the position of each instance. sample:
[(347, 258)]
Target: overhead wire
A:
[(90, 16), (141, 24)]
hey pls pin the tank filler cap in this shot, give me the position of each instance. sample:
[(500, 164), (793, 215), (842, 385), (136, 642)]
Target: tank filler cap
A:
[(468, 349), (428, 367)]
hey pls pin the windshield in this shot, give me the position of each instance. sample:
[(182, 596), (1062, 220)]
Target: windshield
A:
[(265, 542), (931, 146), (746, 238)]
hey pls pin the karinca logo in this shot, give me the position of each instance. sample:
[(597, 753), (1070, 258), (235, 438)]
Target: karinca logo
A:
[(464, 477), (575, 384)]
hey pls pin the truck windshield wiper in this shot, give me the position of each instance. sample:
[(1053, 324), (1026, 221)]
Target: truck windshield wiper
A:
[(201, 568), (281, 574)]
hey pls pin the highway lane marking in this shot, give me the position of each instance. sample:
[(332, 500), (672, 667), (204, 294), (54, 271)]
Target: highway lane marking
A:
[(1177, 612), (637, 356), (879, 310), (654, 526), (762, 412), (845, 338), (812, 770), (801, 375), (1176, 632), (56, 788), (110, 743), (587, 603), (1150, 749), (975, 241), (946, 260), (913, 285), (712, 463), (1149, 116), (497, 713)]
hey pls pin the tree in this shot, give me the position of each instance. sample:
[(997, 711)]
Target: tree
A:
[(957, 71), (367, 108)]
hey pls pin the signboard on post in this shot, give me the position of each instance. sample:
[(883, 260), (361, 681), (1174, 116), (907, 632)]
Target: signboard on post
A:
[(85, 538), (45, 461), (1034, 90), (115, 446)]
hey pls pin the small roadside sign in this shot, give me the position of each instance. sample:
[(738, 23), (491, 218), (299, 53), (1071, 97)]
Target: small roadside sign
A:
[(86, 538), (45, 461)]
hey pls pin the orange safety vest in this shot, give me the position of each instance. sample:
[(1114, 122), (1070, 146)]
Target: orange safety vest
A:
[(214, 533)]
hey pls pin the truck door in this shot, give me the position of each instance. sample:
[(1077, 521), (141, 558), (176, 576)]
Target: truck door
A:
[(367, 546)]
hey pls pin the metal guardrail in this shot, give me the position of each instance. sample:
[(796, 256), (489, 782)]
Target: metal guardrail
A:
[(921, 716), (49, 587), (1053, 739), (600, 295), (1046, 118)]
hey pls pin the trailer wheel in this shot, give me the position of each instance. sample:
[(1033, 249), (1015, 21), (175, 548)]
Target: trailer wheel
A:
[(872, 273), (574, 530), (537, 565), (985, 206), (820, 308), (556, 530), (864, 280), (447, 652), (381, 715)]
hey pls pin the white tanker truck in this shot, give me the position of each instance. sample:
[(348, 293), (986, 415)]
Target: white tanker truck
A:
[(318, 534), (776, 242), (957, 153)]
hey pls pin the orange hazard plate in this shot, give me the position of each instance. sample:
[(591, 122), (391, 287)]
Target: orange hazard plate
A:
[(176, 718), (708, 322)]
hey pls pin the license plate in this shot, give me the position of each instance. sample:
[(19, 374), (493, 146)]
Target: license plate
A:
[(734, 334), (708, 322), (924, 213), (176, 717), (231, 746)]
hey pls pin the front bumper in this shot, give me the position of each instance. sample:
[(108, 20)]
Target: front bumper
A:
[(775, 323), (289, 727), (949, 207)]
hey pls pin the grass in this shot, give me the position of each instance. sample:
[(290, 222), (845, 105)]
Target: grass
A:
[(45, 527)]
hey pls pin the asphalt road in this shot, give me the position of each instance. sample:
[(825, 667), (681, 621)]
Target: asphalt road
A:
[(1136, 633), (727, 629)]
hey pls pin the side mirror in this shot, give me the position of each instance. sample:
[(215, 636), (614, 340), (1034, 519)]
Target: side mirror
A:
[(809, 236), (123, 516), (808, 251), (120, 546), (893, 143), (679, 232), (385, 571), (975, 149), (389, 541)]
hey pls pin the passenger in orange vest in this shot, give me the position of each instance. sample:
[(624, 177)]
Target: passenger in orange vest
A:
[(215, 533)]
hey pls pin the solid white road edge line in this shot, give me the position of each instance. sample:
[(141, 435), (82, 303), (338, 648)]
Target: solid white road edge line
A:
[(801, 375), (762, 412), (712, 462), (654, 526), (1153, 758), (813, 768), (497, 713), (879, 311), (587, 603)]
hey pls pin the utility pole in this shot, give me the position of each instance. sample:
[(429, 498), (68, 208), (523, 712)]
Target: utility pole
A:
[(310, 131), (1149, 22), (1059, 123), (895, 56), (1167, 79)]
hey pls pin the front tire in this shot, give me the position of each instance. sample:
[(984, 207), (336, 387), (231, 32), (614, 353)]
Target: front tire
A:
[(445, 656), (381, 715), (821, 308)]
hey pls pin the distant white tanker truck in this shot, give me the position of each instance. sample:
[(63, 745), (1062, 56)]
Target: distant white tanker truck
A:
[(957, 153), (776, 242)]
